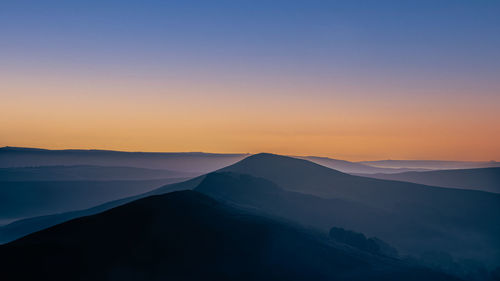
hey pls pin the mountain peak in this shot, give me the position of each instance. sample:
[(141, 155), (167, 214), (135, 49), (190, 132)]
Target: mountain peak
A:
[(266, 155), (287, 172), (275, 162)]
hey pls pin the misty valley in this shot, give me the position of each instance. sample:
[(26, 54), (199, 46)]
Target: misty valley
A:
[(159, 216)]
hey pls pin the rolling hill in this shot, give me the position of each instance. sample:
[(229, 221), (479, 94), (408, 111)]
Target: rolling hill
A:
[(35, 191), (86, 172), (23, 227), (189, 236), (22, 199), (191, 162), (485, 179), (430, 164), (352, 167), (419, 220), (459, 222)]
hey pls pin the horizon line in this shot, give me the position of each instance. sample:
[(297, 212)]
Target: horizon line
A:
[(229, 154)]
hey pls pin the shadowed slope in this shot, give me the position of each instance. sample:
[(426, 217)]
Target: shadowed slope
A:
[(264, 196), (188, 236)]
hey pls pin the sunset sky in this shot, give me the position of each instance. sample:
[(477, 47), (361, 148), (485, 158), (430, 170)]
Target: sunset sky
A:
[(356, 80)]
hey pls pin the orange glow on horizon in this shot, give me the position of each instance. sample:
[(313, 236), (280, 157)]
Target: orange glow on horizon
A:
[(332, 120)]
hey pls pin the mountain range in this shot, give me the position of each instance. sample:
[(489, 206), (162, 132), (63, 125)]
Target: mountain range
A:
[(423, 223), (198, 162), (191, 162)]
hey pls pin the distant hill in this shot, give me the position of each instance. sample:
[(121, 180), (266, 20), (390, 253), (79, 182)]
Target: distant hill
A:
[(34, 191), (485, 179), (22, 199), (192, 162), (430, 164), (188, 236), (352, 167), (86, 172)]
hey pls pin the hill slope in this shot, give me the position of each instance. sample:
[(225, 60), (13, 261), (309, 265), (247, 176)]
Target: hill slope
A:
[(417, 219), (34, 191), (460, 222), (352, 167), (21, 199), (430, 164), (188, 236), (485, 179), (20, 228)]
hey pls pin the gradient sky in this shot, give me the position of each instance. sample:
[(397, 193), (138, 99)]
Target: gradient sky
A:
[(357, 80)]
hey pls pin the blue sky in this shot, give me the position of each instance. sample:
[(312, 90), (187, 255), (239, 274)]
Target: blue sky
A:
[(370, 64)]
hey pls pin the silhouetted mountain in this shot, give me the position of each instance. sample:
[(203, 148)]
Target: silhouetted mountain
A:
[(192, 162), (21, 199), (416, 218), (430, 164), (351, 167), (93, 173), (304, 176), (188, 236), (485, 179)]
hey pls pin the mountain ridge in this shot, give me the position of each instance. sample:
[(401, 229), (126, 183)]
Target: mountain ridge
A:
[(483, 179), (203, 239), (416, 218)]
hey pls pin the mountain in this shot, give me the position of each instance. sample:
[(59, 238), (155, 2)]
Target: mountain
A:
[(191, 162), (430, 164), (306, 177), (352, 167), (86, 172), (485, 179), (418, 220), (412, 232), (188, 236)]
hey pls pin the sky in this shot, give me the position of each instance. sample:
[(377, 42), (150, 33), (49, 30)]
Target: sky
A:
[(356, 80)]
